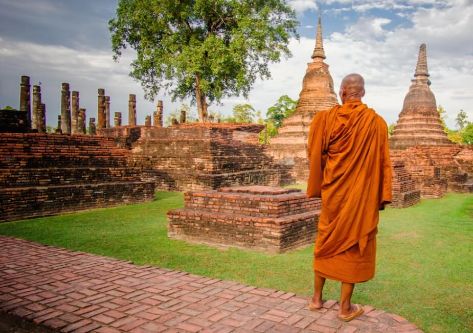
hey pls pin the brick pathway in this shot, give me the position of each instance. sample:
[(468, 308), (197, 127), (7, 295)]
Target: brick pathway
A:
[(68, 291)]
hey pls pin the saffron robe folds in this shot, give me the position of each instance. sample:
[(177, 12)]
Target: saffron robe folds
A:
[(350, 170)]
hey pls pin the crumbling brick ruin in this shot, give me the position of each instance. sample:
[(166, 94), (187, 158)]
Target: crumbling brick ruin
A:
[(255, 217), (48, 174)]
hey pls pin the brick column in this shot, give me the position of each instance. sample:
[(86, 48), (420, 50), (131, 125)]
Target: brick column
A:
[(36, 107), (75, 112), (101, 108), (132, 110), (148, 121), (158, 115), (118, 119), (41, 120), (81, 126), (65, 109), (92, 128), (25, 100), (59, 122), (183, 117), (107, 111)]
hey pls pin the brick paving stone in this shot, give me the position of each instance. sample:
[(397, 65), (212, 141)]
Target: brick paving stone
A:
[(79, 292)]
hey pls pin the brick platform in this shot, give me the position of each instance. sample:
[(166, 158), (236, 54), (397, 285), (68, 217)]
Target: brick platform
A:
[(65, 291), (272, 219)]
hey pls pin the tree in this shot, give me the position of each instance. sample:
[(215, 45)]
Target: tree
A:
[(284, 107), (243, 113), (391, 129), (467, 134), (461, 119), (202, 49)]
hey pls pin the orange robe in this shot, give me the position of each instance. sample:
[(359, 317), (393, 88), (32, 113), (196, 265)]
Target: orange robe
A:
[(350, 170)]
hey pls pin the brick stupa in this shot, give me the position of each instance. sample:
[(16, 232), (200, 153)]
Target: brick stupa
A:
[(290, 145), (419, 121)]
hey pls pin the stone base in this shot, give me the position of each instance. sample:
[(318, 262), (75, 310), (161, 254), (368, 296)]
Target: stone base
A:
[(265, 218)]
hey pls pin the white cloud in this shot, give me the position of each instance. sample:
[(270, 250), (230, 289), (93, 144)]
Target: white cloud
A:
[(303, 5)]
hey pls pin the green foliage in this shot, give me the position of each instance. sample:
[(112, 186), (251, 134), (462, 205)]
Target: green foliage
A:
[(455, 136), (8, 107), (461, 119), (432, 288), (284, 107), (243, 113), (202, 49), (391, 129), (467, 134), (270, 130)]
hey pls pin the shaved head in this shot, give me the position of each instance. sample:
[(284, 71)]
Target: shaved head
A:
[(352, 88)]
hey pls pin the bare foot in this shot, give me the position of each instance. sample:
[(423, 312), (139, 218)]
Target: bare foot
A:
[(355, 311), (316, 304)]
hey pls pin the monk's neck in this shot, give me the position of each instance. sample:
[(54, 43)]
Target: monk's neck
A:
[(352, 101)]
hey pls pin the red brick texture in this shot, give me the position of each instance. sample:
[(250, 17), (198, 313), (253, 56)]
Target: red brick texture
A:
[(266, 218), (66, 291), (48, 174)]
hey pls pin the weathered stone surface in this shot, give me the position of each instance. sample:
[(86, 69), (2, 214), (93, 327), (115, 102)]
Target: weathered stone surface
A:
[(419, 121), (257, 217), (25, 99), (92, 127), (101, 117), (132, 110), (436, 169), (202, 155), (81, 122), (117, 120), (48, 174), (317, 94), (75, 113), (65, 109), (405, 192), (148, 120), (35, 117)]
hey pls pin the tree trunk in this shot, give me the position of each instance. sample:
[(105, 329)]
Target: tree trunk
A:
[(201, 100)]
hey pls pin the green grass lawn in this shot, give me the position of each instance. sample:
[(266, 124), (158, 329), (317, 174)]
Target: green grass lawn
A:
[(424, 264)]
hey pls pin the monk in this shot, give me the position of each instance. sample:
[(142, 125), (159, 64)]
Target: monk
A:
[(350, 170)]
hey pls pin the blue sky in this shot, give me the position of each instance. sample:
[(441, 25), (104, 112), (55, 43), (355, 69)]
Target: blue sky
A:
[(56, 41)]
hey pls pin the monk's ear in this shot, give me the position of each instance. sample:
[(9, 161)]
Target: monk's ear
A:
[(362, 92)]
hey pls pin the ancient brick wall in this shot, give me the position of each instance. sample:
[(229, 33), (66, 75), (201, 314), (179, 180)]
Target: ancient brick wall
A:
[(47, 174), (200, 156), (405, 193), (257, 217), (436, 169), (13, 121)]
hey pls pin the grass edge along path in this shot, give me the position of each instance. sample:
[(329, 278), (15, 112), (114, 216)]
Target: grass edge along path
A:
[(424, 268)]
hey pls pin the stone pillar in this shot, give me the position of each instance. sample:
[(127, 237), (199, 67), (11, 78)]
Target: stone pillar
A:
[(81, 127), (92, 128), (159, 115), (132, 110), (118, 119), (25, 100), (174, 121), (75, 113), (59, 124), (148, 121), (182, 119), (35, 116), (41, 120), (101, 108), (65, 109), (107, 111)]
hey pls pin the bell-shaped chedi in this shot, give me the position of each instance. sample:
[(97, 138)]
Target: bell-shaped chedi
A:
[(419, 121), (317, 94)]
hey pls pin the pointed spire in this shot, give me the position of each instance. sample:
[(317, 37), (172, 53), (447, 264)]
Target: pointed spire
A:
[(421, 68), (319, 47)]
